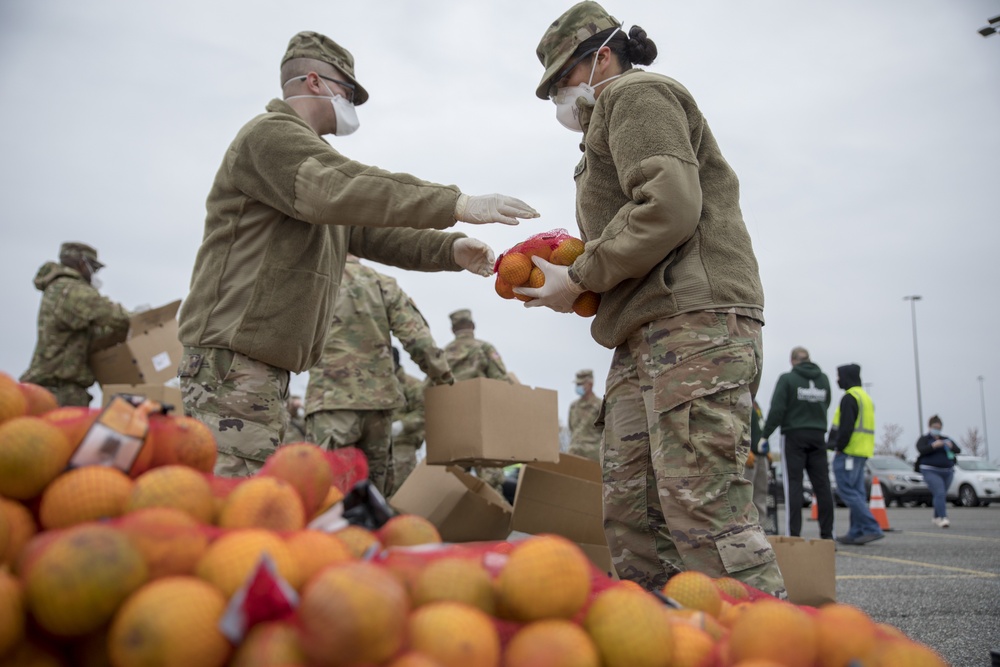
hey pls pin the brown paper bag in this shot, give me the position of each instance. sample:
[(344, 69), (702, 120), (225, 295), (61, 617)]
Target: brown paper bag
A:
[(809, 568)]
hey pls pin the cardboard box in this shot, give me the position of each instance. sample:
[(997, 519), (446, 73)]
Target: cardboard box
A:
[(491, 422), (809, 568), (162, 393), (149, 354), (565, 498), (461, 506)]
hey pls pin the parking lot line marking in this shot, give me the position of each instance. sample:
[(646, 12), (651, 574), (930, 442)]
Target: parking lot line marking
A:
[(990, 575), (954, 536), (906, 576)]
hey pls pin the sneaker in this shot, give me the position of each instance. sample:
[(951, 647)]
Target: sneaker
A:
[(869, 537), (937, 521), (944, 522), (847, 539)]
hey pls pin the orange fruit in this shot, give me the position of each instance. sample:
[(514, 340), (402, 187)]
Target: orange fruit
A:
[(84, 494), (729, 615), (586, 304), (554, 642), (544, 577), (79, 578), (39, 399), (33, 653), (455, 634), (358, 540), (13, 402), (313, 550), (170, 541), (181, 439), (846, 634), (503, 288), (543, 250), (232, 558), (536, 278), (891, 631), (176, 486), (74, 421), (333, 496), (752, 636), (696, 619), (20, 528), (32, 453), (413, 659), (691, 646), (629, 628), (904, 652), (263, 502), (172, 621), (11, 612), (567, 251), (269, 644), (515, 268), (694, 590), (353, 613), (304, 466), (455, 579), (407, 530), (734, 588)]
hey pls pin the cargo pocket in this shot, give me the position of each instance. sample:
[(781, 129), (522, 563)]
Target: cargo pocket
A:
[(190, 365), (743, 548), (704, 374)]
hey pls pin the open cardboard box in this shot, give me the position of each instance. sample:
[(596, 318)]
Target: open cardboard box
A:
[(161, 393), (809, 568), (491, 422), (564, 498), (462, 507), (148, 354)]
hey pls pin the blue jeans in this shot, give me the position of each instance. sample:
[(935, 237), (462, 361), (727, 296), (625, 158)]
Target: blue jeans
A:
[(851, 487), (938, 480)]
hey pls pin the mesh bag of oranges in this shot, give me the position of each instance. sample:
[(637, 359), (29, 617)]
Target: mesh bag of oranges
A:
[(515, 268)]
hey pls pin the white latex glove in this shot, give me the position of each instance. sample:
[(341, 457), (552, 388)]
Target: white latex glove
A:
[(559, 291), (483, 209), (396, 428), (474, 256)]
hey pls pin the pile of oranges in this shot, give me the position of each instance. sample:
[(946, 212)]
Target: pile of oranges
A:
[(516, 269), (100, 567)]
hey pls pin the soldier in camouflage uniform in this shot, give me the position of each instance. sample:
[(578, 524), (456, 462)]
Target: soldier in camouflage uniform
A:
[(353, 391), (584, 435), (72, 316), (666, 247), (283, 211), (408, 423), (472, 358)]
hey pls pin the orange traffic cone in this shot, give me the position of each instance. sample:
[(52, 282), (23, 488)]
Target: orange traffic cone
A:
[(814, 511), (876, 504)]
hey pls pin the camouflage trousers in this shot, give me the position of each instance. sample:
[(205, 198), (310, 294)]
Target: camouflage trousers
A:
[(589, 450), (404, 460), (70, 394), (677, 435), (241, 399), (756, 474), (368, 430)]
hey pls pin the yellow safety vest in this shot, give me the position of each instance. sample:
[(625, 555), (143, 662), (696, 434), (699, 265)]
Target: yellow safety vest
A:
[(862, 442)]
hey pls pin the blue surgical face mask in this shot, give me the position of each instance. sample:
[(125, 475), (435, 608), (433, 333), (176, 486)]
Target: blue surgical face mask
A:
[(934, 431), (580, 390)]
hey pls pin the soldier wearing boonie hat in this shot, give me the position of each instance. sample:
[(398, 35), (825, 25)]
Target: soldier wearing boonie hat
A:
[(584, 416), (72, 315), (281, 213), (686, 334)]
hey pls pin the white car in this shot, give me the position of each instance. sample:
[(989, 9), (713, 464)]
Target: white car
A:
[(976, 482)]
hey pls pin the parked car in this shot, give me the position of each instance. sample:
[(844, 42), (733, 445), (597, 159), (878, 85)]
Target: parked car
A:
[(976, 482), (900, 484), (777, 487)]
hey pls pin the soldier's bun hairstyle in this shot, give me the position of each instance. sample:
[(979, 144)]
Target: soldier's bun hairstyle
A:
[(636, 48), (639, 48)]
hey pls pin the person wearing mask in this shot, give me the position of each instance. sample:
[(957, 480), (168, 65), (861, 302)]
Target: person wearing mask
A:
[(657, 206), (936, 462), (353, 390), (584, 435), (284, 210), (853, 437), (72, 317), (799, 405)]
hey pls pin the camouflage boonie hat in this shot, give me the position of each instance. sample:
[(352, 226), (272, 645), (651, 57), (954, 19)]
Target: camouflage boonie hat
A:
[(74, 250), (461, 318), (581, 22), (584, 376), (313, 45)]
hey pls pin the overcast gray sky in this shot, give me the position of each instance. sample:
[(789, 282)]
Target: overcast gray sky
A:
[(866, 136)]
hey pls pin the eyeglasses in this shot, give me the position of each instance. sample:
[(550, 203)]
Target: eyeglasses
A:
[(566, 70), (349, 87)]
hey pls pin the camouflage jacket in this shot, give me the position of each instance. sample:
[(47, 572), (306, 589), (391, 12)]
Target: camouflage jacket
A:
[(471, 358), (72, 315), (356, 369), (585, 438), (411, 414)]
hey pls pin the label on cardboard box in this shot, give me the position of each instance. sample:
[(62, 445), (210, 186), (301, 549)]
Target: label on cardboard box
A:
[(491, 422)]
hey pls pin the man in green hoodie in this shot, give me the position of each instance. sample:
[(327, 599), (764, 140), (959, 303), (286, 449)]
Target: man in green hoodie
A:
[(799, 405)]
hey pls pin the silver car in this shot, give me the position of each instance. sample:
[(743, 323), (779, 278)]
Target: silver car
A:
[(976, 482), (900, 484)]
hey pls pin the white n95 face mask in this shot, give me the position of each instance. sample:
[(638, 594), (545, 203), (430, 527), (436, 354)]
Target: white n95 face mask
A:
[(567, 109), (344, 111)]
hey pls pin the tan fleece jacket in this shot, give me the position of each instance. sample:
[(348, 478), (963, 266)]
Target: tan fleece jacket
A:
[(659, 209), (284, 210)]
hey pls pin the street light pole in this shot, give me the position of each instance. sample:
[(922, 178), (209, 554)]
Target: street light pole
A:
[(916, 357), (982, 403)]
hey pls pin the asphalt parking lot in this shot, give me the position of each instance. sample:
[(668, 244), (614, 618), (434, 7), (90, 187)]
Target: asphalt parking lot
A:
[(939, 586)]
